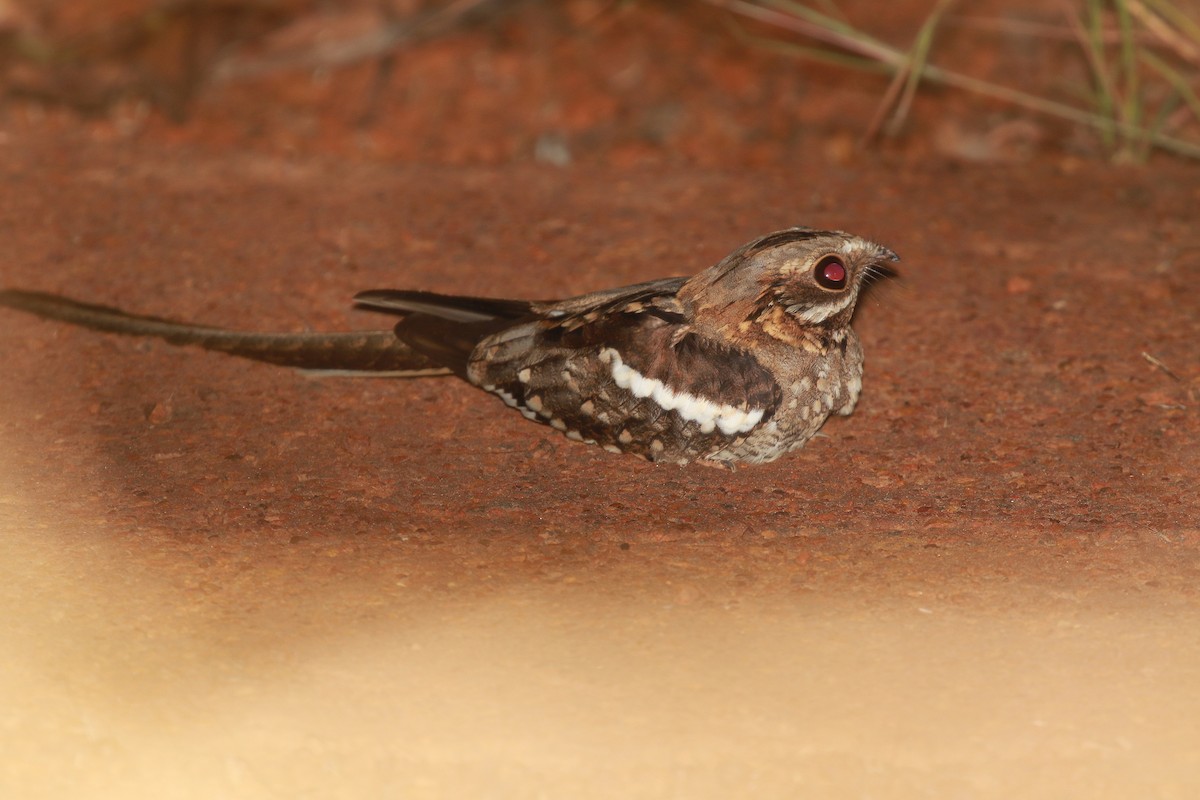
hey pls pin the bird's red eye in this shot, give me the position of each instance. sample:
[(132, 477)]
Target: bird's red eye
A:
[(830, 273)]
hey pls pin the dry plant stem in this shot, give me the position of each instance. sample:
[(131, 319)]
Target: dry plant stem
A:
[(855, 41), (818, 54), (1166, 35), (1177, 20), (886, 103), (920, 58), (817, 26), (1177, 81), (1159, 32), (1131, 110), (1160, 365), (903, 87), (1176, 39), (1158, 35), (1030, 29), (1091, 41), (1035, 103)]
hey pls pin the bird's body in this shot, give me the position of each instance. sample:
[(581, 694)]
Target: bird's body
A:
[(739, 364)]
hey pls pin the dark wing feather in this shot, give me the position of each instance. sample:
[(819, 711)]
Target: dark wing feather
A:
[(452, 307), (445, 328), (561, 370), (589, 307), (446, 342), (704, 368)]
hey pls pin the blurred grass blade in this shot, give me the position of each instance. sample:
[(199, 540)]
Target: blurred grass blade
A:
[(1131, 106), (900, 92), (1179, 22), (1120, 107), (813, 25), (918, 61), (1177, 81), (817, 54), (1165, 110), (1091, 35)]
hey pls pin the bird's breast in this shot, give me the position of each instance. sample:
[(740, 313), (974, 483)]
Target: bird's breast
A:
[(814, 386)]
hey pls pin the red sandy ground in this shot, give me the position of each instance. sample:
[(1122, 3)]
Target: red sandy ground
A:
[(237, 580)]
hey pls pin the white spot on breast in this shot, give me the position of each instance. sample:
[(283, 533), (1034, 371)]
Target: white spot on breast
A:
[(534, 402), (708, 414), (558, 424), (524, 375), (587, 408), (853, 388), (626, 437)]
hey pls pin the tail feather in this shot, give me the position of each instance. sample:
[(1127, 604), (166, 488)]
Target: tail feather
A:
[(446, 328), (351, 351), (450, 307)]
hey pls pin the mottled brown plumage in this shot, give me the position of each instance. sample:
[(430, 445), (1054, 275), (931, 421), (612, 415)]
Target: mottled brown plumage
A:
[(741, 363)]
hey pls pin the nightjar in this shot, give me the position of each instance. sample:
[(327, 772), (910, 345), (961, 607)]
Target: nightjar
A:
[(739, 364)]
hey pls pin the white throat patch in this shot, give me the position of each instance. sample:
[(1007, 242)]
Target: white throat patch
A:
[(709, 415), (818, 314)]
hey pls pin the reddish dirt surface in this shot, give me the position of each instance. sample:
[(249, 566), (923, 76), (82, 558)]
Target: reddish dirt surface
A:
[(245, 582)]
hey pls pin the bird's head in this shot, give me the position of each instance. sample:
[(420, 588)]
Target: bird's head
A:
[(795, 278)]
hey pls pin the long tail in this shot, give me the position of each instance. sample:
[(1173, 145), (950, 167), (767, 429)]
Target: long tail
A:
[(369, 352), (446, 328)]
